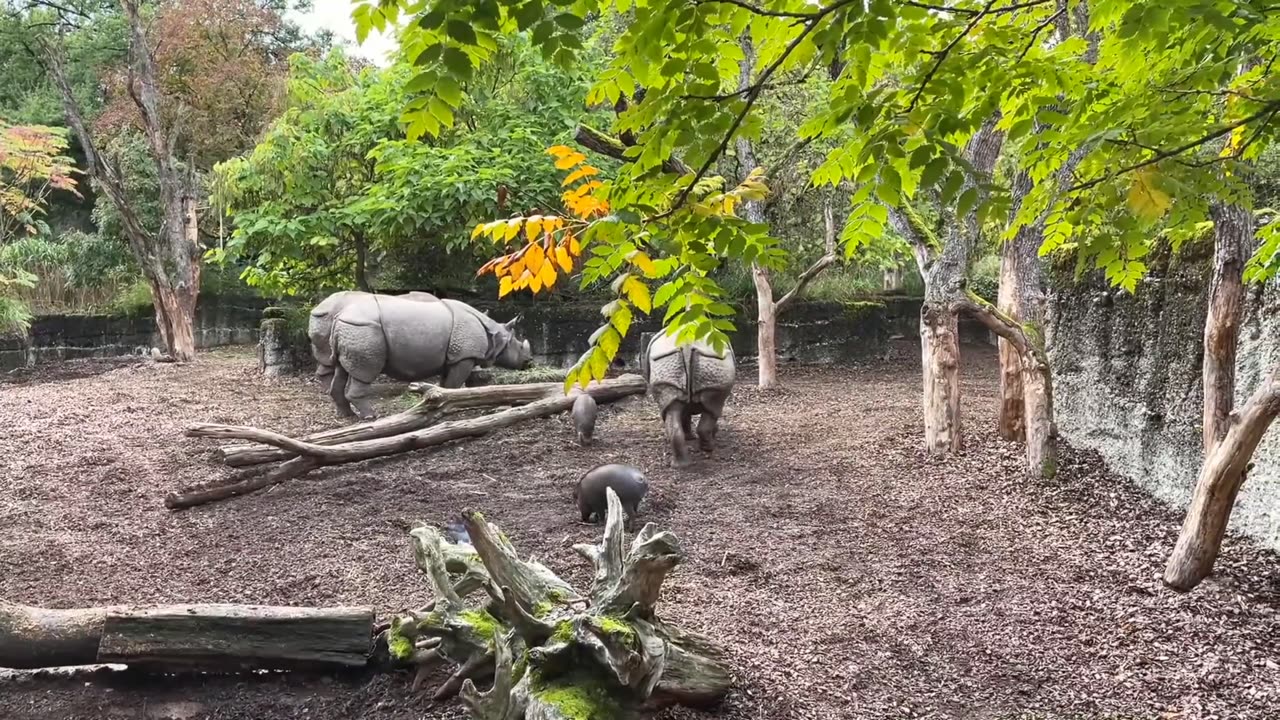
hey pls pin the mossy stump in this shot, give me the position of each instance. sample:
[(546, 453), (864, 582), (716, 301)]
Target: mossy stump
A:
[(552, 652)]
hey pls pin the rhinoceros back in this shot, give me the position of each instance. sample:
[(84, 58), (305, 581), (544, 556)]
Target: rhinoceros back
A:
[(684, 372), (320, 324), (404, 338)]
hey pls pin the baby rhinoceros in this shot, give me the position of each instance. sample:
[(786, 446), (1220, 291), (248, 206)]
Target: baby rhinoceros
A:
[(584, 418), (628, 482)]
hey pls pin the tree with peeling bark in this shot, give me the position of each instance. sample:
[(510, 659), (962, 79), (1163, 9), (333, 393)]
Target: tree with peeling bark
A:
[(170, 257), (553, 652)]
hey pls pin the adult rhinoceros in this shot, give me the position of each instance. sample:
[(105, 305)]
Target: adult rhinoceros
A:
[(687, 380), (320, 325), (410, 340)]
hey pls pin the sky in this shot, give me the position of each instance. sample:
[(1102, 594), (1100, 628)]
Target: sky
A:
[(335, 15)]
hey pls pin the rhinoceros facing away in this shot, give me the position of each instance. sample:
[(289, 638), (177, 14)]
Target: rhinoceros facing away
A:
[(687, 380), (320, 325), (408, 339)]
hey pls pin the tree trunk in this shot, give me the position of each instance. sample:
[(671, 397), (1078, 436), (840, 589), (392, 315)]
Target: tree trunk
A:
[(186, 637), (940, 350), (362, 258), (1233, 228), (1010, 422), (766, 329), (1220, 480)]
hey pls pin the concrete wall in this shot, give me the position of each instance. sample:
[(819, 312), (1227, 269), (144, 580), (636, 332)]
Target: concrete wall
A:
[(52, 338), (1128, 381)]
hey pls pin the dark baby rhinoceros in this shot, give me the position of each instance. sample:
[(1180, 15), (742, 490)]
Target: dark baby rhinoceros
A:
[(687, 380), (410, 340), (627, 482), (584, 418)]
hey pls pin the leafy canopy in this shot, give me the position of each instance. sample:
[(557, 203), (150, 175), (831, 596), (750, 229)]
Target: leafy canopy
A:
[(918, 79)]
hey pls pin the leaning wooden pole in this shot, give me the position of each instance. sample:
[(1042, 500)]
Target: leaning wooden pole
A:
[(204, 638)]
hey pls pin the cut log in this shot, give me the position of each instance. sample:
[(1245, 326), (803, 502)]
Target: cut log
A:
[(312, 456), (435, 404), (173, 638)]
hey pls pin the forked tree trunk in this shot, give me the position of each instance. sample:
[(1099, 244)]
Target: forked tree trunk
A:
[(170, 257), (1232, 229), (1220, 480), (940, 353)]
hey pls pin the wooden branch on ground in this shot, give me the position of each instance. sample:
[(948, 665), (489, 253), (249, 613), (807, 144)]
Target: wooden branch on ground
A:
[(212, 638), (435, 404), (313, 455)]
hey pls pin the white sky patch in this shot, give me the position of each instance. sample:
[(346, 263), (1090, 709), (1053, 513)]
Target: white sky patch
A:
[(335, 16)]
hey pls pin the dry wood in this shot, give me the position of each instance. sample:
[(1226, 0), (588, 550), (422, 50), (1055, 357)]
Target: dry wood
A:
[(1232, 229), (310, 456), (211, 638), (435, 404), (1221, 477)]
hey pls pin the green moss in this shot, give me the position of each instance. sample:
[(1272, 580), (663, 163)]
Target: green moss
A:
[(613, 626), (484, 624), (543, 608), (399, 645), (1049, 468), (563, 633), (579, 697)]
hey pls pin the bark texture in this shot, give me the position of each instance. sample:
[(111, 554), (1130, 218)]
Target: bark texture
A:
[(1221, 477), (553, 652), (208, 638), (1233, 228), (170, 256)]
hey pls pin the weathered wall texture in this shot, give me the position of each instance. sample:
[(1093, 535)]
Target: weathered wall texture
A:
[(219, 321), (1128, 382)]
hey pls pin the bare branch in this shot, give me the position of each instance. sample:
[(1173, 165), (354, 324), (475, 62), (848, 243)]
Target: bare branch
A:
[(805, 278)]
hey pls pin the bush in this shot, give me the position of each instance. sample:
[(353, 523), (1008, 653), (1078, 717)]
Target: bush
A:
[(984, 278), (77, 272)]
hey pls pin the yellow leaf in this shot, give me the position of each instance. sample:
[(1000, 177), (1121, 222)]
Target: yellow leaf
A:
[(532, 226), (1145, 199), (559, 150), (638, 293), (505, 285), (548, 275), (567, 161), (479, 229), (517, 268), (582, 172), (642, 261), (553, 223), (524, 280), (534, 257), (574, 248), (495, 229), (535, 283), (562, 257), (512, 228)]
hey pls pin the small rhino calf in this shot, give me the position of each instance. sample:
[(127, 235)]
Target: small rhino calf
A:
[(584, 418), (628, 482)]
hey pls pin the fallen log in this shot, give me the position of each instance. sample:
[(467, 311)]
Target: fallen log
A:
[(308, 456), (204, 638), (435, 404)]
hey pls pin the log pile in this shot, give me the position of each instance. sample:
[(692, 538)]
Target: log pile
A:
[(273, 458), (552, 652)]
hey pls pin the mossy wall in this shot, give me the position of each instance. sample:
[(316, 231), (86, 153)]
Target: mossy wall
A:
[(1128, 380)]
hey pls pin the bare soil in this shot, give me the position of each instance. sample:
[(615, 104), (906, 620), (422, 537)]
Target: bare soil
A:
[(848, 574)]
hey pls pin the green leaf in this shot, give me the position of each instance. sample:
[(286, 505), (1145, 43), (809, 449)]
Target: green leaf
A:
[(457, 62), (569, 21), (461, 31), (449, 91)]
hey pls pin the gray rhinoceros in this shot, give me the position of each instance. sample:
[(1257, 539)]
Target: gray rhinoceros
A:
[(687, 380), (410, 340), (320, 325)]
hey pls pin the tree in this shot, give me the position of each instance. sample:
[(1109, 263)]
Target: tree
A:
[(33, 164), (334, 184)]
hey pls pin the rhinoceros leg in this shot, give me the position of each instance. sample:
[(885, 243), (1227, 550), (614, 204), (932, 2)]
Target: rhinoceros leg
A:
[(455, 376), (673, 418), (338, 392), (686, 424), (360, 395), (713, 403)]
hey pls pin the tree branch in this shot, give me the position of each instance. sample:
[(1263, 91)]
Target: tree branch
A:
[(1269, 109), (942, 54), (592, 139), (805, 278)]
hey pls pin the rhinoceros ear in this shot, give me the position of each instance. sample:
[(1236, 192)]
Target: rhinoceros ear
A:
[(511, 324)]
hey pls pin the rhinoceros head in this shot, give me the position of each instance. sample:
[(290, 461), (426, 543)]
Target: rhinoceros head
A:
[(516, 354)]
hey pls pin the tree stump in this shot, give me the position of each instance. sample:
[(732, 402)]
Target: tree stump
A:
[(553, 652)]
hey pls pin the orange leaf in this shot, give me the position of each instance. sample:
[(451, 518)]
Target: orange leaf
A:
[(534, 257), (535, 282), (548, 275), (523, 281), (574, 248), (559, 150), (582, 172), (567, 161), (517, 268), (562, 257)]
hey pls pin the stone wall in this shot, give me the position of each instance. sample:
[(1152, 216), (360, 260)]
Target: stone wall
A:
[(1128, 381), (52, 338)]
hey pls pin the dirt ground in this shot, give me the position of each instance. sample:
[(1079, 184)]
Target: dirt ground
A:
[(848, 575)]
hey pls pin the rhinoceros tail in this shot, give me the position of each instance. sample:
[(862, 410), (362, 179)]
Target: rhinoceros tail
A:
[(690, 359)]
